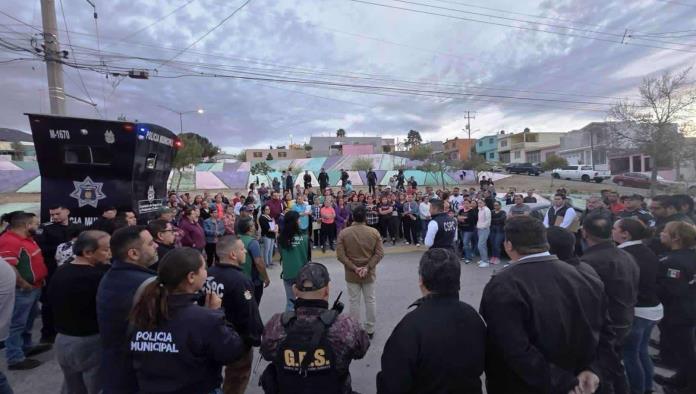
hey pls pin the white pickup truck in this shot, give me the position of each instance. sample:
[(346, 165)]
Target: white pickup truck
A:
[(581, 173)]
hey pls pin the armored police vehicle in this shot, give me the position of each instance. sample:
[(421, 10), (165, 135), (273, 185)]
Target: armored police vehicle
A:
[(87, 165)]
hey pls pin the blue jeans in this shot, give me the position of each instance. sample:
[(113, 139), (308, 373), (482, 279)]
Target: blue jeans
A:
[(5, 385), (467, 238), (639, 366), (483, 243), (268, 250), (424, 228), (25, 311), (290, 297), (497, 238)]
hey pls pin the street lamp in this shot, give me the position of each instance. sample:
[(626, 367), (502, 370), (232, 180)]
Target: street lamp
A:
[(199, 111)]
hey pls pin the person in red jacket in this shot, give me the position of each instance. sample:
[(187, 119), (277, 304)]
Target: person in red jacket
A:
[(20, 250)]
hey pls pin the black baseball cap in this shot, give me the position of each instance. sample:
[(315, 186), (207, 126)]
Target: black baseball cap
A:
[(315, 273)]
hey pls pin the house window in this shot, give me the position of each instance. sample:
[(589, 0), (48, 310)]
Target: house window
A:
[(480, 143), (517, 154), (534, 157), (491, 155), (490, 140), (503, 143), (258, 154), (282, 154)]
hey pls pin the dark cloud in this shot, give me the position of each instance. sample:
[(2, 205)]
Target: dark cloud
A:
[(333, 39)]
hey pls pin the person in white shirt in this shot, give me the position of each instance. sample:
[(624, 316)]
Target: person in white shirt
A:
[(483, 229), (560, 214), (424, 213), (455, 200)]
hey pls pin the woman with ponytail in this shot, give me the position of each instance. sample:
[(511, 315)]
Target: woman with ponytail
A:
[(176, 345)]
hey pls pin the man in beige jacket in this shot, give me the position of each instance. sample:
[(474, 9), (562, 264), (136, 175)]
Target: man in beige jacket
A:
[(360, 250)]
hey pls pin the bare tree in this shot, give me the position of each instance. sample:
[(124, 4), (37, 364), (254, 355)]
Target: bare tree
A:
[(651, 123)]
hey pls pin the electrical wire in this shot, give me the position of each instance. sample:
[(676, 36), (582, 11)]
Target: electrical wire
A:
[(623, 42), (225, 19), (82, 82), (177, 9)]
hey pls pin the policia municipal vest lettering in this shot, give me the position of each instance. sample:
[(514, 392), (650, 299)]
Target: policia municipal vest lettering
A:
[(305, 362)]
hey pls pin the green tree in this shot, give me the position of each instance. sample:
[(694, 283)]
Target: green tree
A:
[(362, 164), (651, 123), (308, 147), (269, 156), (209, 150), (553, 161), (261, 168), (190, 153), (420, 152), (413, 139), (340, 133)]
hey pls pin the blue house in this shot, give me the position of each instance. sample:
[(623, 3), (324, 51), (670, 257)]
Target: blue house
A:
[(487, 147)]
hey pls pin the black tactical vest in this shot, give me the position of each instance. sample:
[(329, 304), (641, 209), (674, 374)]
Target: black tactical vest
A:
[(305, 361), (446, 230)]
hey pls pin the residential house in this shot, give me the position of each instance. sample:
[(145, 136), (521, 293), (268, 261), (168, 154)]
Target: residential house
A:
[(487, 147), (596, 144), (253, 155), (459, 148), (587, 145), (16, 145), (333, 146), (527, 147)]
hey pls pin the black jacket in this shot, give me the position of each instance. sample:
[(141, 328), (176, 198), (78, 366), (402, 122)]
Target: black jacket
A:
[(677, 286), (237, 293), (185, 354), (437, 348), (649, 265), (545, 325), (52, 235), (104, 224), (620, 275), (114, 302), (162, 251), (323, 178)]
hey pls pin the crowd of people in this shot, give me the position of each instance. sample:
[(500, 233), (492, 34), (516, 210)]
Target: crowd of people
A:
[(167, 305)]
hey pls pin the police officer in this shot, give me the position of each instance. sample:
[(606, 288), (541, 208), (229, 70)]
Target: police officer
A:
[(634, 209), (442, 229), (50, 235), (228, 281), (311, 347), (677, 291), (176, 345)]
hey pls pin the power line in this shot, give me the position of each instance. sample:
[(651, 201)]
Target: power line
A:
[(520, 27), (225, 19), (82, 82), (177, 9)]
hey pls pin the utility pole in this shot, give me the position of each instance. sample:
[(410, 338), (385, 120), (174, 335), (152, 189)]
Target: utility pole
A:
[(468, 122), (52, 55)]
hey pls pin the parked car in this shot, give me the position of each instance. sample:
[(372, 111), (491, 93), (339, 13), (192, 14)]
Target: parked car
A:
[(580, 173), (523, 168), (642, 180)]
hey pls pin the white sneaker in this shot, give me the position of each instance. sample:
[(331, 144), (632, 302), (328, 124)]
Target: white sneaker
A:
[(484, 264)]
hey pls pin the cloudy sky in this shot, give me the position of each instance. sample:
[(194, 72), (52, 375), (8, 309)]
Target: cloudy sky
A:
[(287, 69)]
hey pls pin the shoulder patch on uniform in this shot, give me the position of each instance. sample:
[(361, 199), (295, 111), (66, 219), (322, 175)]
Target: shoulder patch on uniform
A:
[(247, 295), (673, 273)]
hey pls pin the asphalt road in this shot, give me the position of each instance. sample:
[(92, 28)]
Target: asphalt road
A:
[(397, 279)]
